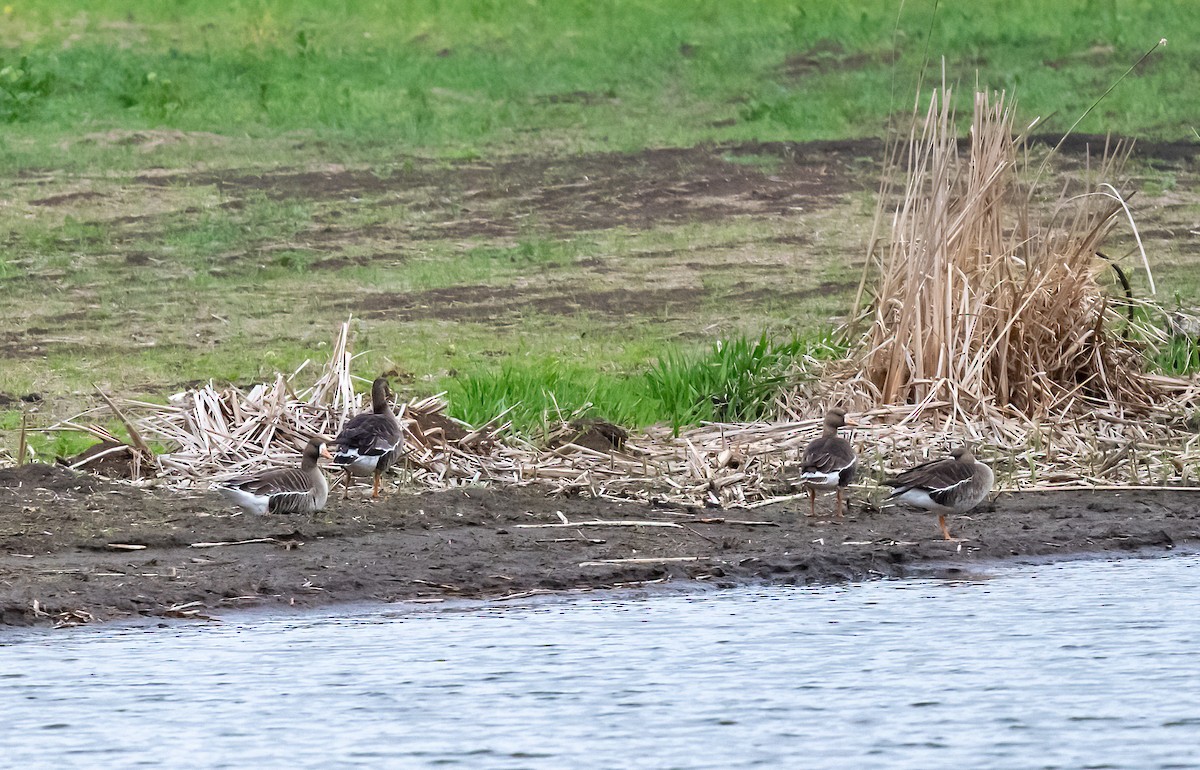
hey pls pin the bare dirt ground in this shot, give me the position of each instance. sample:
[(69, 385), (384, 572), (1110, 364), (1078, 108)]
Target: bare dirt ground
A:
[(75, 548)]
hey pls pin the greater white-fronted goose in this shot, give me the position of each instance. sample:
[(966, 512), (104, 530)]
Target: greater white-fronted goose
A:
[(370, 442), (283, 490), (954, 484), (829, 461)]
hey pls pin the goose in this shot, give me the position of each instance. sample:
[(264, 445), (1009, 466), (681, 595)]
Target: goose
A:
[(829, 461), (282, 490), (369, 442), (953, 484)]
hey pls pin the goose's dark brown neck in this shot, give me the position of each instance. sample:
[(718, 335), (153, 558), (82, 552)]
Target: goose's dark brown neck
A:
[(379, 393), (308, 460)]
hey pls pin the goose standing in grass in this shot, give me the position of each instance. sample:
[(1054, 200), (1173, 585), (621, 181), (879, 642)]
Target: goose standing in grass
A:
[(829, 461), (370, 442), (283, 490), (954, 484)]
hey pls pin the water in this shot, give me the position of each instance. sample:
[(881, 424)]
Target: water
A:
[(1083, 664)]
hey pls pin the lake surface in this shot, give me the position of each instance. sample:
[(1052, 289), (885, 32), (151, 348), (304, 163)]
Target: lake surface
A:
[(1073, 665)]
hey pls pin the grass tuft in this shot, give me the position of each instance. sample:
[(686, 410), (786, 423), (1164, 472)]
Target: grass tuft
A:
[(1180, 356), (736, 380), (22, 87), (543, 393)]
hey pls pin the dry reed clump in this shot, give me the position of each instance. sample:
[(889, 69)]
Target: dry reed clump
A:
[(991, 319)]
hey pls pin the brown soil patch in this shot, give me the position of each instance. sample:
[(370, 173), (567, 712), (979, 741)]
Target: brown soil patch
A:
[(110, 459), (492, 303), (827, 56), (1077, 148), (60, 532), (576, 97), (591, 192), (67, 198), (29, 398), (512, 197), (590, 433), (746, 293)]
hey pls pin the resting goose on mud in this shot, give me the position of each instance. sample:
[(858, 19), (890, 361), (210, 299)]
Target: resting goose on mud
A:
[(829, 461), (282, 490), (370, 442), (954, 484)]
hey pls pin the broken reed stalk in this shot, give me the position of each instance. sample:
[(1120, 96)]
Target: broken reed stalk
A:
[(22, 439), (134, 436)]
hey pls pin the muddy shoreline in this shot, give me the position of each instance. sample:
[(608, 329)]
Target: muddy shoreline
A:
[(85, 549)]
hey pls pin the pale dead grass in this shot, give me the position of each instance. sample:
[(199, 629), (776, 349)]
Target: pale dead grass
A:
[(46, 202)]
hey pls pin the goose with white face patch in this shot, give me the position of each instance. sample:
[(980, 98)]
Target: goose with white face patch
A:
[(370, 442), (954, 484), (829, 461), (282, 490)]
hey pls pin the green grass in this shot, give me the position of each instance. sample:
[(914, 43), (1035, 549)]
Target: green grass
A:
[(197, 239), (43, 445), (1180, 356), (769, 164), (441, 266), (734, 380), (543, 392), (459, 79), (737, 381)]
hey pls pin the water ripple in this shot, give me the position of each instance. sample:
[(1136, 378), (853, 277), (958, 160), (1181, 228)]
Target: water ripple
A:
[(1085, 664)]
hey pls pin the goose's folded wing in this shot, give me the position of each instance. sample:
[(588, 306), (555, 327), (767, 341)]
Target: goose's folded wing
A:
[(827, 455), (281, 482), (938, 478), (386, 442), (369, 436)]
